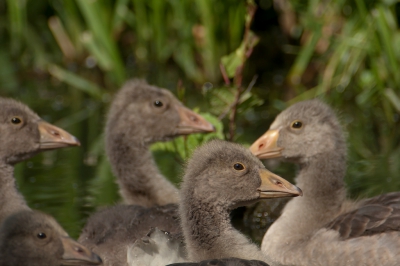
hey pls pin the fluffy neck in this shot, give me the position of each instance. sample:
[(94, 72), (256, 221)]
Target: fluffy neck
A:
[(209, 234), (139, 179), (12, 201), (321, 179)]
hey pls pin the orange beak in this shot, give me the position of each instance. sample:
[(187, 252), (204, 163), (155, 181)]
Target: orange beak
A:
[(77, 254), (52, 137), (274, 186), (266, 146), (192, 122)]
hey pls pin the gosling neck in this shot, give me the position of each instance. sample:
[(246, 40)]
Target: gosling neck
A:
[(140, 182), (209, 233), (321, 179), (12, 201)]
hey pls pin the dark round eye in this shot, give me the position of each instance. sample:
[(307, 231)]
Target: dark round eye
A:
[(158, 103), (41, 235), (238, 166), (297, 124), (16, 120)]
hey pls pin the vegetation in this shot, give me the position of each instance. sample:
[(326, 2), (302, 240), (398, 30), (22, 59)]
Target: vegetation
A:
[(237, 62)]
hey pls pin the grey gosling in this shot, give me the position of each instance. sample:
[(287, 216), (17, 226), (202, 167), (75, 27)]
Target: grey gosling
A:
[(31, 238), (220, 177), (323, 227), (23, 134), (117, 233), (139, 115)]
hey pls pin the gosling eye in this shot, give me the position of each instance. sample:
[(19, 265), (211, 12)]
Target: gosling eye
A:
[(158, 103), (41, 235), (238, 166), (297, 124), (16, 120)]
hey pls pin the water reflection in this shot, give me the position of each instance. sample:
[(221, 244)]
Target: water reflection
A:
[(50, 183)]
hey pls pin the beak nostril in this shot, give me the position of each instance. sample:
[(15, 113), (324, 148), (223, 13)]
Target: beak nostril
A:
[(261, 145), (193, 118), (78, 249), (279, 183), (55, 133)]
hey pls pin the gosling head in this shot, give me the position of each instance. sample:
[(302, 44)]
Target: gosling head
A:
[(23, 133), (227, 174), (151, 114), (304, 130), (33, 238)]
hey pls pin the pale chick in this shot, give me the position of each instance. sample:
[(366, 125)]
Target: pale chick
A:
[(323, 227), (139, 115), (23, 134), (220, 177)]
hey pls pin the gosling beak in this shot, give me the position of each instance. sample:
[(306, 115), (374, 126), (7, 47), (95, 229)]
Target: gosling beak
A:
[(52, 137), (190, 122), (76, 254), (274, 186), (266, 146)]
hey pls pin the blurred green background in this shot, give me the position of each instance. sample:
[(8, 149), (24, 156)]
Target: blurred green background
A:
[(66, 59)]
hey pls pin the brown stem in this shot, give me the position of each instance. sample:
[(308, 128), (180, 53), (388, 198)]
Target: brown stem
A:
[(234, 106), (224, 74), (232, 116), (251, 10), (249, 42)]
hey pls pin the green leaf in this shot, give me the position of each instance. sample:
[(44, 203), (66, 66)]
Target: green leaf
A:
[(185, 145), (232, 61), (236, 59)]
